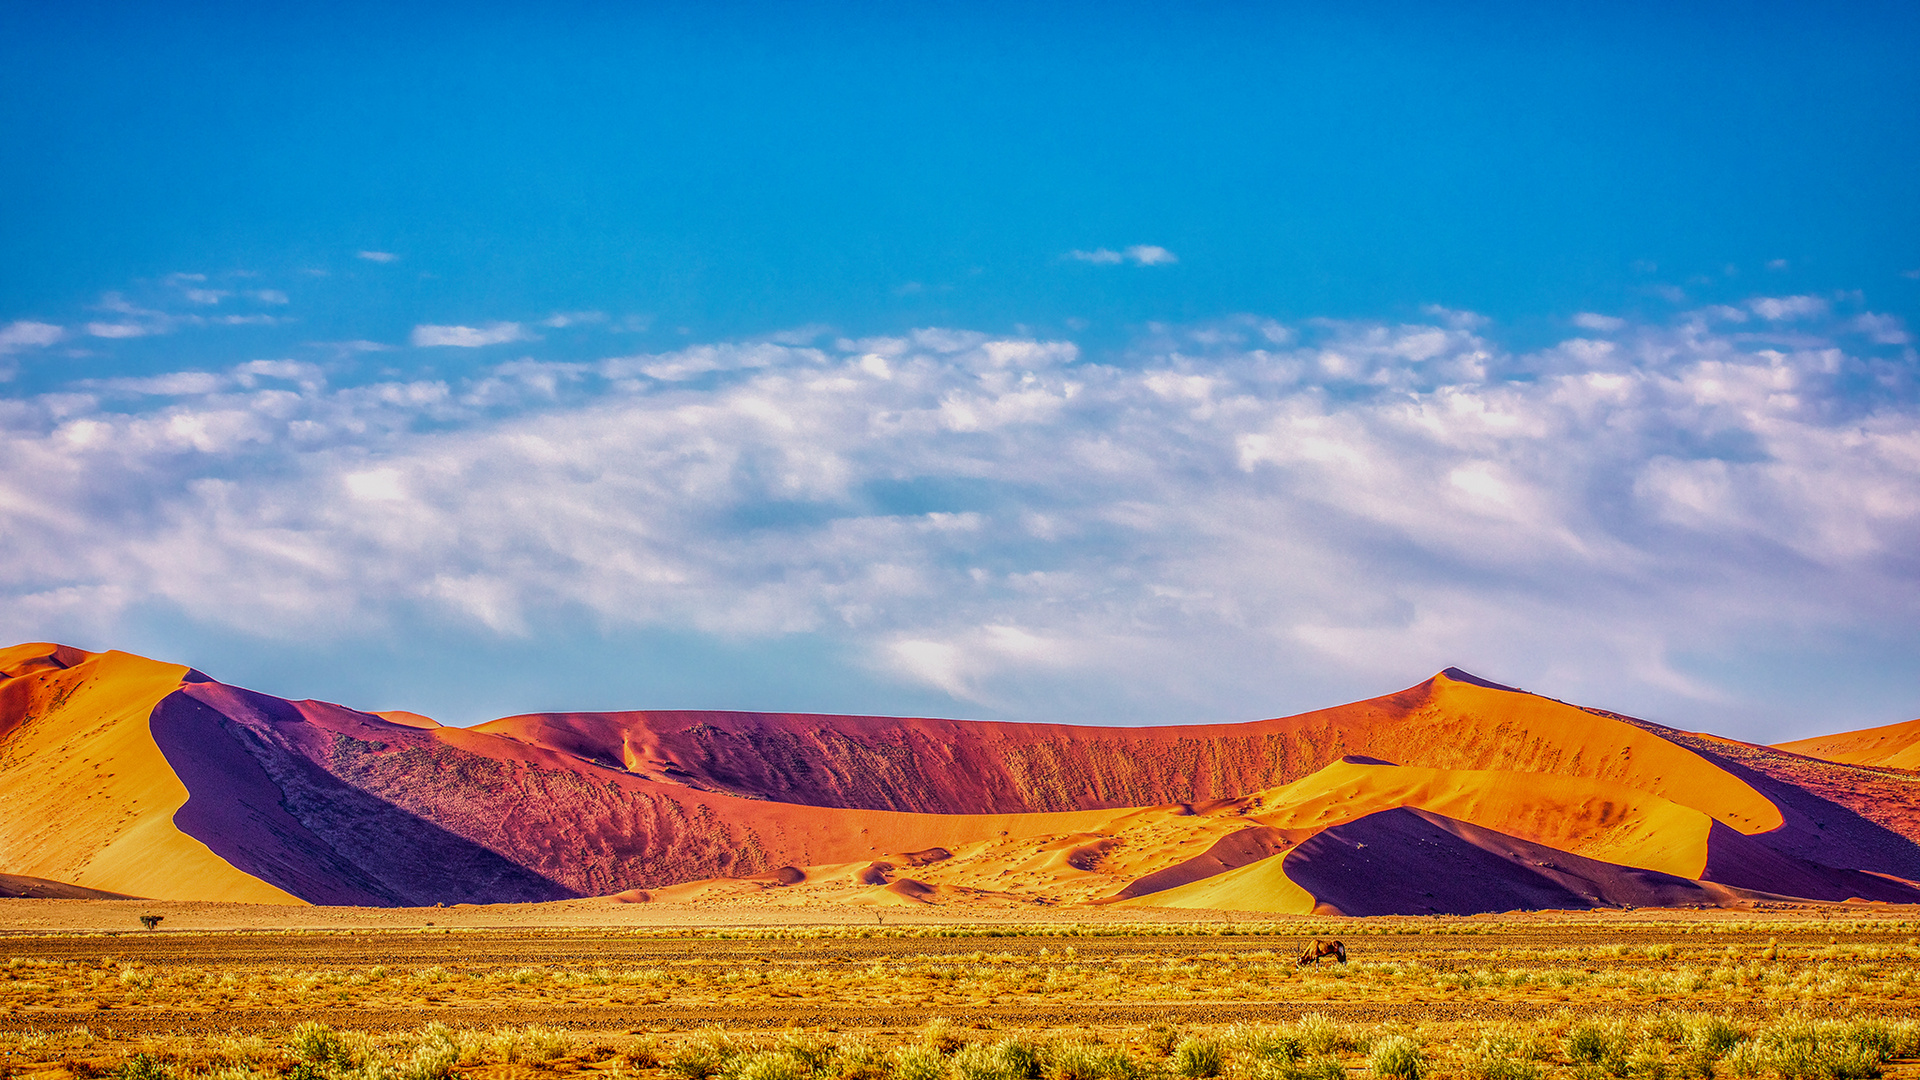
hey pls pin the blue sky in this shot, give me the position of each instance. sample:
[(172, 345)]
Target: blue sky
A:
[(1131, 363)]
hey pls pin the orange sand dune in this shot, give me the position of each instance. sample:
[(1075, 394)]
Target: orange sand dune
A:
[(235, 794), (1635, 848), (16, 887), (1405, 861), (90, 798), (1894, 746), (1451, 721)]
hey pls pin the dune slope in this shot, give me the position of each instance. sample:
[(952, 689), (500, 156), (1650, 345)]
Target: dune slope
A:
[(1895, 746), (152, 779), (90, 796), (1451, 721)]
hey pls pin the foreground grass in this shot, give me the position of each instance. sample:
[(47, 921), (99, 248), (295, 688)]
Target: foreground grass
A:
[(1617, 975), (1663, 1045), (1711, 1001)]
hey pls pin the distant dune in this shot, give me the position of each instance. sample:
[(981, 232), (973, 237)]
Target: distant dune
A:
[(1895, 746), (131, 776)]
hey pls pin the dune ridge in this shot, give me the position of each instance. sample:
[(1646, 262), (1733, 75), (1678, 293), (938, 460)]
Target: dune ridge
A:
[(90, 796), (188, 788), (1893, 746), (1451, 721)]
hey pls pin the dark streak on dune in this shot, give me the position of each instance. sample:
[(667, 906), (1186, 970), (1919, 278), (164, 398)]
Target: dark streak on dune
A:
[(19, 887), (344, 807), (972, 767), (1843, 816), (1233, 850), (1414, 862), (264, 806), (1747, 862)]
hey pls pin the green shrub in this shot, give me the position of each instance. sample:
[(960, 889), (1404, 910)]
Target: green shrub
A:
[(1709, 1036), (1598, 1042), (547, 1044), (1196, 1059), (1398, 1057), (766, 1065), (143, 1067), (1505, 1068), (1263, 1042), (1320, 1035), (703, 1056), (940, 1034), (317, 1044), (433, 1059), (813, 1055), (1089, 1061), (1011, 1059), (1797, 1048), (917, 1061), (1285, 1068)]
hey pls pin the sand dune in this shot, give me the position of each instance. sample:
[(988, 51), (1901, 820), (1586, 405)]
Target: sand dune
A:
[(1895, 746), (17, 887), (90, 796), (151, 779), (1451, 721)]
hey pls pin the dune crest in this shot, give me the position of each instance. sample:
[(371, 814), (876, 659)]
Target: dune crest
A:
[(155, 780), (90, 796), (1894, 746)]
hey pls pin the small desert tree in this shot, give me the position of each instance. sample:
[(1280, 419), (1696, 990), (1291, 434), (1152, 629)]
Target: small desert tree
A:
[(151, 921)]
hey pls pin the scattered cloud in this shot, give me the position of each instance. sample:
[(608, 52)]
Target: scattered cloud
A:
[(468, 337), (358, 345), (1240, 509), (1787, 308), (1138, 254), (379, 256), (1881, 329), (25, 334), (120, 330), (563, 319), (1777, 264)]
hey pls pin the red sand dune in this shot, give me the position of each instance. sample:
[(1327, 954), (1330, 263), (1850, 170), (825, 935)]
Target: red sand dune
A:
[(151, 779)]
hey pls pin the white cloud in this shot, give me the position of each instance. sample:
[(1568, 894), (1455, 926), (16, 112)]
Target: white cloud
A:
[(560, 320), (1606, 324), (1783, 308), (1241, 510), (1151, 255), (1138, 254), (468, 337), (379, 256), (172, 384), (25, 334), (1881, 329), (119, 330)]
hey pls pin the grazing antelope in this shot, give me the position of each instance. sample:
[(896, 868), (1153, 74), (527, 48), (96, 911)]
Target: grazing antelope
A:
[(1322, 947)]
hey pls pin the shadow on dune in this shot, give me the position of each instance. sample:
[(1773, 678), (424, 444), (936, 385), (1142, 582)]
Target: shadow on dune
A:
[(1833, 840), (1414, 862), (272, 813), (1747, 862)]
